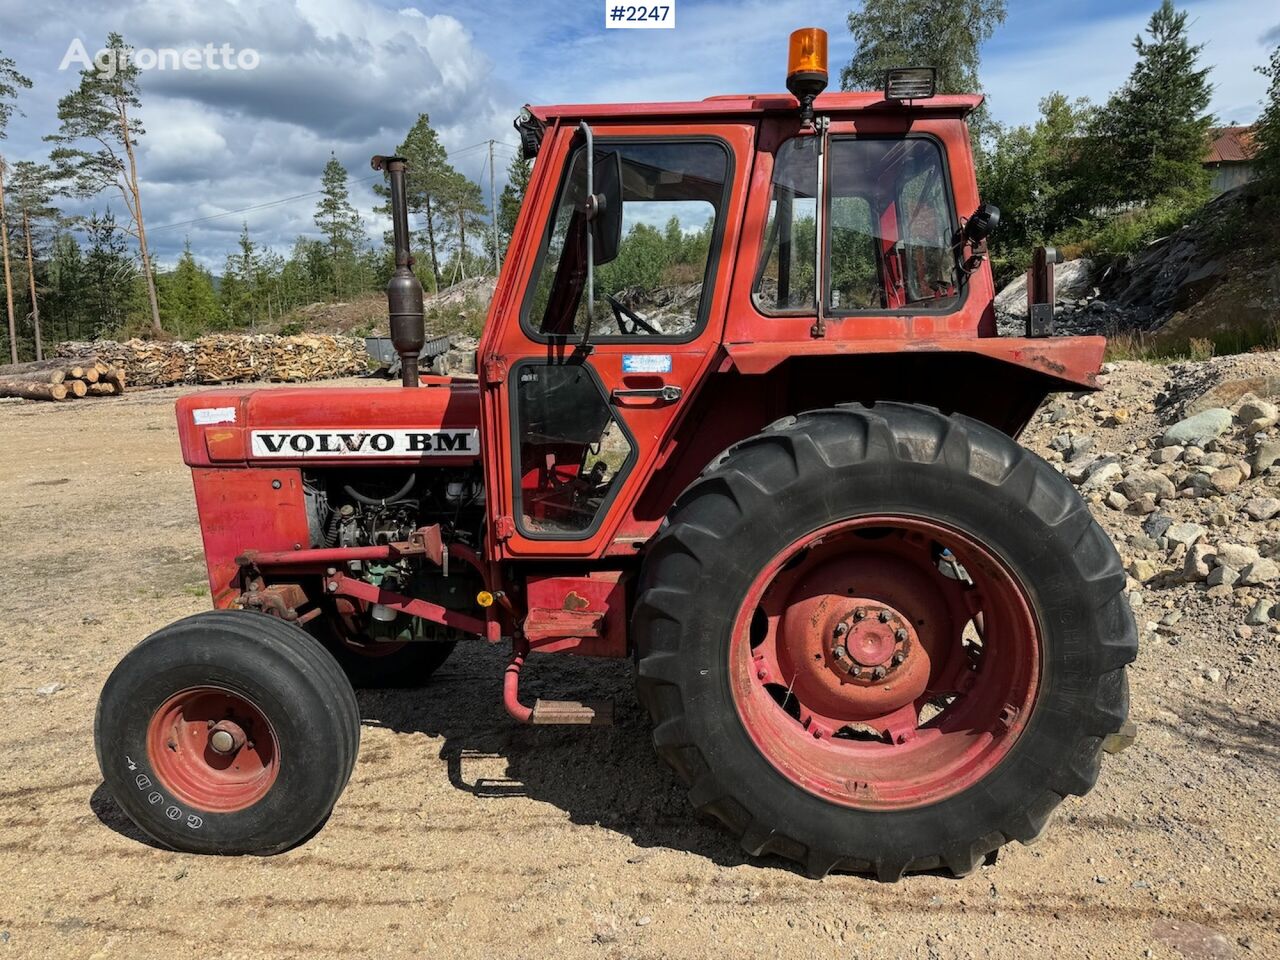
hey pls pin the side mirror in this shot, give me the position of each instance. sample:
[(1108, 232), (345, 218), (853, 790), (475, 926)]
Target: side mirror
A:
[(982, 224), (604, 208)]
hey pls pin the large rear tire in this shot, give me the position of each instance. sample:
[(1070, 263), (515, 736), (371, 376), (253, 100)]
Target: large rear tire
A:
[(882, 639), (227, 732)]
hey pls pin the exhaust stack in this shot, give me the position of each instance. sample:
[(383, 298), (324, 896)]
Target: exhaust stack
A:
[(404, 292)]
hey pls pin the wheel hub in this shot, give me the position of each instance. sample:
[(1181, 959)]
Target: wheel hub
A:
[(861, 657), (226, 737)]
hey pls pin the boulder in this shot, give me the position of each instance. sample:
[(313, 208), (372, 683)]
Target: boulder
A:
[(1236, 555), (1072, 280), (1226, 479), (1199, 429), (1197, 565), (1268, 453)]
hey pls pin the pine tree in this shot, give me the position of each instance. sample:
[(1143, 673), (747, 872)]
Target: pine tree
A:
[(340, 224), (1268, 127), (109, 273), (946, 34), (187, 296), (11, 81), (1148, 142), (463, 203), (97, 127), (31, 195), (518, 172), (426, 184), (67, 295), (240, 278)]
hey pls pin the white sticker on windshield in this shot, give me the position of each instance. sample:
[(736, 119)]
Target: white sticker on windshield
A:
[(646, 363), (203, 416)]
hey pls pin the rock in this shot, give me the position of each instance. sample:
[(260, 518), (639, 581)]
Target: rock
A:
[(1268, 453), (49, 689), (1077, 469), (1142, 483), (1141, 569), (1156, 525), (1230, 391), (1197, 566), (1184, 533), (1101, 476), (1254, 409), (1199, 429), (1072, 280), (1117, 500), (1260, 572), (1213, 675), (1260, 614), (1081, 443), (1236, 555), (1167, 454), (1226, 479), (1262, 508), (1224, 574)]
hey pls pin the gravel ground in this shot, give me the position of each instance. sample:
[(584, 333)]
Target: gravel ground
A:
[(463, 835)]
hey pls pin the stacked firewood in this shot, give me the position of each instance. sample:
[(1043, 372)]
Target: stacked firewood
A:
[(62, 379), (229, 358)]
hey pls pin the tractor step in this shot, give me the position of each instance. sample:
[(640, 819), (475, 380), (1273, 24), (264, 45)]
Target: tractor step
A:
[(595, 713)]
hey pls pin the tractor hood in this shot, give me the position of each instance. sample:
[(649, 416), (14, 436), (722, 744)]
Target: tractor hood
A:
[(438, 424)]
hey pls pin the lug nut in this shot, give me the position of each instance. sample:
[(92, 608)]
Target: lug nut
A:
[(878, 673), (841, 629), (900, 635), (855, 671), (899, 657), (859, 614), (884, 616), (839, 653)]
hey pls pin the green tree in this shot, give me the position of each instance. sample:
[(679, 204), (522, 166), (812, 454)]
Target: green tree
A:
[(68, 292), (97, 144), (187, 297), (518, 172), (946, 34), (109, 274), (11, 81), (462, 203), (340, 224), (1268, 127), (31, 200), (240, 282), (1037, 175), (1148, 142), (427, 182)]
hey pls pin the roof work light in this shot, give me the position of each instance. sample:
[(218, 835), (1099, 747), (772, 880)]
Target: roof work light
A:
[(807, 67)]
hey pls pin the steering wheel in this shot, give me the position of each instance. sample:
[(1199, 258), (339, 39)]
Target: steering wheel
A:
[(622, 314)]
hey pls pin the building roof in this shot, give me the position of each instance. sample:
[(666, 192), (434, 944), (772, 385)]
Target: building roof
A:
[(1231, 145)]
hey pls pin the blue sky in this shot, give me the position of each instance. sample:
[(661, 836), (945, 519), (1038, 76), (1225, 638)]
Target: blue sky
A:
[(351, 75)]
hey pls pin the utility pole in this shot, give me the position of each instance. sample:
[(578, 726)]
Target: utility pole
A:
[(493, 211)]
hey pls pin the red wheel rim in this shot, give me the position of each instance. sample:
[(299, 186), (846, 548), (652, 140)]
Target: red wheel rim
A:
[(213, 749), (886, 662)]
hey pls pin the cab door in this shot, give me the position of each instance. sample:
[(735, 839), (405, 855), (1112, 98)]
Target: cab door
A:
[(580, 392)]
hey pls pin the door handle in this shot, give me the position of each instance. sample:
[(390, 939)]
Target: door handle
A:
[(667, 393)]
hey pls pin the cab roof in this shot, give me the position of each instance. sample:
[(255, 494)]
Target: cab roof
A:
[(756, 104)]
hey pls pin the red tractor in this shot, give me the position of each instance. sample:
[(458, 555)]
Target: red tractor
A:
[(741, 415)]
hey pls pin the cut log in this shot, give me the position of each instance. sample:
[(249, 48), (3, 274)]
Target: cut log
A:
[(49, 375), (103, 388), (76, 388), (33, 390)]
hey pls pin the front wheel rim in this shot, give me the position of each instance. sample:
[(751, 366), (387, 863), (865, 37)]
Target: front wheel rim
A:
[(885, 662), (213, 749)]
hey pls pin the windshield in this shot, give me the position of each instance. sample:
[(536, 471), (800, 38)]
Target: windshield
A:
[(672, 196)]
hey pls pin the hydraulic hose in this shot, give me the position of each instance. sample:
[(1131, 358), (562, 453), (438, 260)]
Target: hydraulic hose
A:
[(373, 502)]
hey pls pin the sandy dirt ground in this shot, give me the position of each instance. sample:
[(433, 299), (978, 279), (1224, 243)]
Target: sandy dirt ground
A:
[(462, 835)]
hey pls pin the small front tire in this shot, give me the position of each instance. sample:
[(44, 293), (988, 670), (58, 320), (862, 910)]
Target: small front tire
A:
[(228, 732)]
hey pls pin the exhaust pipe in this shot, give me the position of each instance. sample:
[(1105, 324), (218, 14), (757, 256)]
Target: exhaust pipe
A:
[(404, 292)]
